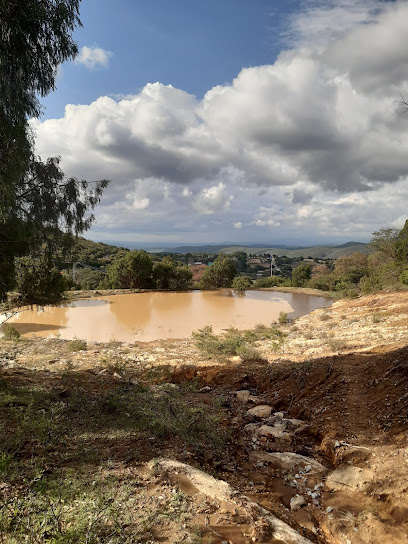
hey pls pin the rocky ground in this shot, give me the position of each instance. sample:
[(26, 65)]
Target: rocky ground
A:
[(305, 445)]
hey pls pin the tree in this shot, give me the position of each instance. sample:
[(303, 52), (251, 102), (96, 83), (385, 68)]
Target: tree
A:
[(384, 240), (38, 204), (220, 273), (401, 245), (241, 283), (36, 281), (301, 275), (169, 275), (132, 271)]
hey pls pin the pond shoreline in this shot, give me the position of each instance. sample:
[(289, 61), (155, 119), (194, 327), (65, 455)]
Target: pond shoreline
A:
[(88, 293)]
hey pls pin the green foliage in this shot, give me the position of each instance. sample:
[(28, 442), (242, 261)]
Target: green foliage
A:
[(301, 274), (235, 342), (169, 275), (77, 345), (404, 277), (87, 278), (219, 347), (11, 333), (241, 283), (271, 281), (283, 318), (37, 202), (219, 274), (401, 245), (37, 281), (132, 271)]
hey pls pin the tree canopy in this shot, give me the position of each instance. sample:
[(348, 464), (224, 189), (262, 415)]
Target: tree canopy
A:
[(39, 206)]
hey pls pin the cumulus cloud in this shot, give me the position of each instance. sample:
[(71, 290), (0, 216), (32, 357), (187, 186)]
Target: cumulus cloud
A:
[(93, 57), (212, 200), (323, 119)]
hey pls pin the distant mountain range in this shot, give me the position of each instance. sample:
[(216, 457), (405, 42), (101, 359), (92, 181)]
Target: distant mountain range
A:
[(317, 252)]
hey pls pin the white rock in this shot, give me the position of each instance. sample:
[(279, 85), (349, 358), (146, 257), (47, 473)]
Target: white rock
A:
[(260, 411), (297, 502), (243, 395)]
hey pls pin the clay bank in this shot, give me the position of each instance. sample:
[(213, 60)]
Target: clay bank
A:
[(159, 315)]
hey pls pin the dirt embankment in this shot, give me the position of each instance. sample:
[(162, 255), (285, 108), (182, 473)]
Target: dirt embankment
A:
[(316, 435)]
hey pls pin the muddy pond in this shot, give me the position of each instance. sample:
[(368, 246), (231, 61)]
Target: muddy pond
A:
[(159, 315)]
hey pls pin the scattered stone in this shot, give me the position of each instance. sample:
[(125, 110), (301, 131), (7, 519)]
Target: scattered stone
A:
[(243, 395), (235, 359), (329, 509), (297, 502), (205, 389), (260, 411)]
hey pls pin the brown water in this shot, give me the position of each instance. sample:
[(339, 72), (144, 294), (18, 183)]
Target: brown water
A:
[(157, 315)]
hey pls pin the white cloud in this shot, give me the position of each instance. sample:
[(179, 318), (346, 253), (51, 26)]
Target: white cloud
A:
[(212, 200), (93, 57), (314, 143)]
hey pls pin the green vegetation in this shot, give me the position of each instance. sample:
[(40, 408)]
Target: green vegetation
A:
[(234, 342), (283, 318), (77, 345), (132, 271), (301, 275), (241, 283), (40, 208), (220, 273), (11, 333), (37, 281), (271, 281), (61, 448)]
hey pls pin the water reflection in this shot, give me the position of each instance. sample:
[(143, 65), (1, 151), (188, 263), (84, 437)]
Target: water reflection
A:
[(149, 316)]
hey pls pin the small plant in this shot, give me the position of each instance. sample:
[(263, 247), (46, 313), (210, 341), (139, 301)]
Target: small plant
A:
[(5, 461), (376, 317), (249, 353), (325, 317), (11, 333), (77, 345), (336, 344), (283, 318)]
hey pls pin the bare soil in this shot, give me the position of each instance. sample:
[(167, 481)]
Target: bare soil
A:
[(343, 372)]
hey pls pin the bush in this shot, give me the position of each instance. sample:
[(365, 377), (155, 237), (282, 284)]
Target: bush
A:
[(225, 345), (77, 345), (271, 281), (11, 333), (38, 281), (283, 318), (404, 277), (241, 283)]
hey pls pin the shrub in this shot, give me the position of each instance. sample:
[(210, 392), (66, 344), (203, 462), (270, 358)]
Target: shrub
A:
[(283, 318), (77, 345), (248, 353), (220, 346), (11, 333), (241, 283), (271, 281), (404, 277), (37, 280)]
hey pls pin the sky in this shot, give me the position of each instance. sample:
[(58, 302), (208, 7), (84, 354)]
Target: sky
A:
[(268, 121)]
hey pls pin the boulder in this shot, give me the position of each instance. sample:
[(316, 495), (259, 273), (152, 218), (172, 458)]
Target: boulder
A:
[(260, 411)]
